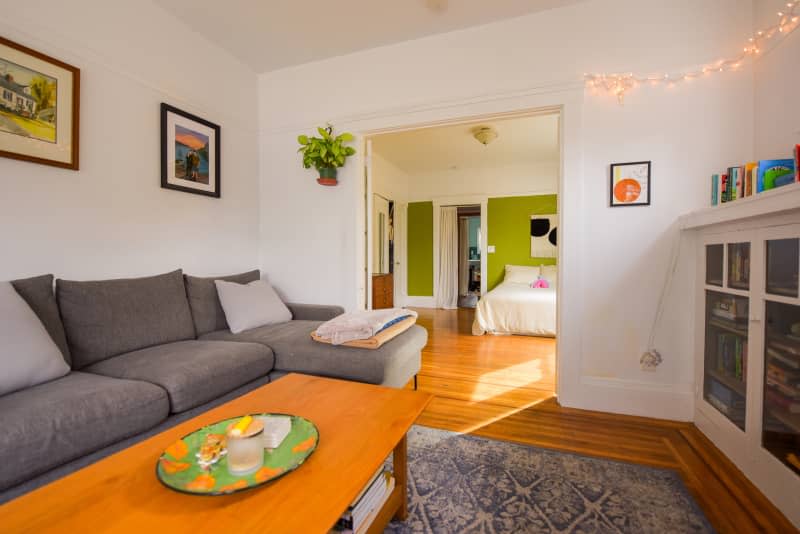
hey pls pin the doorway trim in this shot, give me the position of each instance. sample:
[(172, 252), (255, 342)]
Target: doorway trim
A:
[(567, 102)]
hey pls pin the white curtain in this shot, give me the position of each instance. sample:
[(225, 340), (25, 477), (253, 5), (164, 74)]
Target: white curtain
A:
[(463, 256), (447, 296)]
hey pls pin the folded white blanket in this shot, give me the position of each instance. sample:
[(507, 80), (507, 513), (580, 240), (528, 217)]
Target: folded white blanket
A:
[(360, 324)]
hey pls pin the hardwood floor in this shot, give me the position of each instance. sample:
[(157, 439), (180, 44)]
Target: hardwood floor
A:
[(502, 387)]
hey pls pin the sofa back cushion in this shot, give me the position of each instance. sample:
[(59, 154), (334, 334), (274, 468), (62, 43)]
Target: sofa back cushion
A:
[(110, 317), (38, 293), (207, 311)]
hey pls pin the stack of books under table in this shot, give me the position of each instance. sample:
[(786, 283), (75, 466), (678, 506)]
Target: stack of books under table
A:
[(362, 512)]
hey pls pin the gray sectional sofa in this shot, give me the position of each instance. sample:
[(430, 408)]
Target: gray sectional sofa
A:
[(148, 353)]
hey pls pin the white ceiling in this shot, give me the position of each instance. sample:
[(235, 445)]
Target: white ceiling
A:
[(271, 34), (520, 141)]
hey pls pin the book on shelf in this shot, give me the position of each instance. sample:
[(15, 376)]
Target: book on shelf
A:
[(786, 360), (723, 188), (714, 189), (774, 173), (797, 163), (735, 183), (790, 392), (781, 374), (725, 395), (378, 505), (731, 355), (363, 510), (783, 402), (750, 177), (786, 346)]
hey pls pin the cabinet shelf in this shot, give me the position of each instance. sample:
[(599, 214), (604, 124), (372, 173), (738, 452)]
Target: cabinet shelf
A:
[(731, 327), (792, 420), (772, 202), (731, 382)]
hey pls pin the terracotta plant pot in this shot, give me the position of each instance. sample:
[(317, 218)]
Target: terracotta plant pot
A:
[(327, 176)]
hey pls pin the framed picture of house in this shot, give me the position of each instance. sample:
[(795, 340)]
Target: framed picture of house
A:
[(630, 184), (39, 107), (190, 153)]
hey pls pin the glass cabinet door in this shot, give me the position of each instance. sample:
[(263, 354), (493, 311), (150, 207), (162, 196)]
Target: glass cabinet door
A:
[(781, 423), (739, 266), (725, 369), (714, 264)]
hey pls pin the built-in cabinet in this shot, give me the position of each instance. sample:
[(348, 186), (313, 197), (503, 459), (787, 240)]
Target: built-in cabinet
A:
[(748, 351)]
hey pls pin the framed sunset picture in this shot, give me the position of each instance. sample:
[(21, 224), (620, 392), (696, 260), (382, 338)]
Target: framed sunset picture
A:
[(630, 184), (190, 153), (39, 107)]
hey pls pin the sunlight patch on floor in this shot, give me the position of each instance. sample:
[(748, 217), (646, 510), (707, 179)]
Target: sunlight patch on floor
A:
[(501, 381), (486, 421)]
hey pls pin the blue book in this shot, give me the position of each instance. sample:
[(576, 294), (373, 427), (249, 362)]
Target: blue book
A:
[(714, 189), (774, 173)]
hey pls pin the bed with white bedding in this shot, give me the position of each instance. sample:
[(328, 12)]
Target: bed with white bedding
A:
[(514, 307)]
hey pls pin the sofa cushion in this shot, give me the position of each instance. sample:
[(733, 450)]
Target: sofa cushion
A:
[(52, 423), (192, 372), (28, 355), (110, 317), (203, 299), (38, 293), (394, 362)]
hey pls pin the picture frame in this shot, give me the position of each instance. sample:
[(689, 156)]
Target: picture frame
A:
[(629, 184), (39, 107), (190, 153)]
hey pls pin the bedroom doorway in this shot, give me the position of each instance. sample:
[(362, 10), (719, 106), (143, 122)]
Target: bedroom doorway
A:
[(469, 255), (467, 199)]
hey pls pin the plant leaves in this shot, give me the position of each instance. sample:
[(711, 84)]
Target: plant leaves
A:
[(302, 139)]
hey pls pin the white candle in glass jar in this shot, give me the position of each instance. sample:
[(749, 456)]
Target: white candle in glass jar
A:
[(246, 451)]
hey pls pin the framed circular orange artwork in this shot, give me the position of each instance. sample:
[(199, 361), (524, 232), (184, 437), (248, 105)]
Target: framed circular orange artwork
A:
[(630, 184)]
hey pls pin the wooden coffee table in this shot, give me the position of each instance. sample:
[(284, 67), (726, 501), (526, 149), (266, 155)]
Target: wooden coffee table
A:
[(359, 426)]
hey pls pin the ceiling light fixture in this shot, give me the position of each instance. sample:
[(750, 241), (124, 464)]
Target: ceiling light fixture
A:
[(484, 134)]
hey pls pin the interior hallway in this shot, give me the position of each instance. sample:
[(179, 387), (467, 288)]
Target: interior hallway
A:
[(502, 387)]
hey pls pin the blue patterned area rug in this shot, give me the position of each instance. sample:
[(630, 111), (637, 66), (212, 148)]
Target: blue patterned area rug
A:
[(461, 483)]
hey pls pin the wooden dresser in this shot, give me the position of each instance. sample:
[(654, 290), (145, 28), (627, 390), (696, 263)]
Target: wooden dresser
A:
[(382, 291)]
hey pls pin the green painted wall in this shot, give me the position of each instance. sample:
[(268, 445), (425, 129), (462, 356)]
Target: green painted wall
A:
[(508, 225), (420, 249)]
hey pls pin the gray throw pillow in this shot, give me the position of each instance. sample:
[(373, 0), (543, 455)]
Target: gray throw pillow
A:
[(28, 355), (251, 305)]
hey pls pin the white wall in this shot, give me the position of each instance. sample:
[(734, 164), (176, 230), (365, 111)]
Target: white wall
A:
[(388, 180), (777, 78), (502, 181), (112, 218), (617, 255)]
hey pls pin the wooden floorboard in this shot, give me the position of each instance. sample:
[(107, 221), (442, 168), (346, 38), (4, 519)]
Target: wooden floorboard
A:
[(503, 387)]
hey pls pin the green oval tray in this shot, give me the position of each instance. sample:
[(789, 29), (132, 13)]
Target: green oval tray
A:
[(177, 467)]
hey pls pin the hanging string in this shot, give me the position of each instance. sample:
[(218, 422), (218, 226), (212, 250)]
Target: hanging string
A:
[(619, 84)]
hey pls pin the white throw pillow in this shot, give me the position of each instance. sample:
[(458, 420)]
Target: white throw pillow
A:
[(550, 273), (28, 355), (522, 274), (251, 305)]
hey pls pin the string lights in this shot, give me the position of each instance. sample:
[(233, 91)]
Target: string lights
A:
[(618, 84)]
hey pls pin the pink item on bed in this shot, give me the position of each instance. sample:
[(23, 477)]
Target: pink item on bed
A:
[(540, 283)]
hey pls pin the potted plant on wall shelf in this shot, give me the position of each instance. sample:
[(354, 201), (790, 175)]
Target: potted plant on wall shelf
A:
[(326, 153)]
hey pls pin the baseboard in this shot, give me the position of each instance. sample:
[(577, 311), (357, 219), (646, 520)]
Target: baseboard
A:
[(631, 397), (419, 302)]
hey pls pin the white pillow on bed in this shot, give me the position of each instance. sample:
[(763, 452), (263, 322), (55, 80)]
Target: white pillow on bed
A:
[(522, 274), (550, 273)]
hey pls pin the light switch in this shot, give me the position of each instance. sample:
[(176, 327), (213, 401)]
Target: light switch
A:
[(490, 249)]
